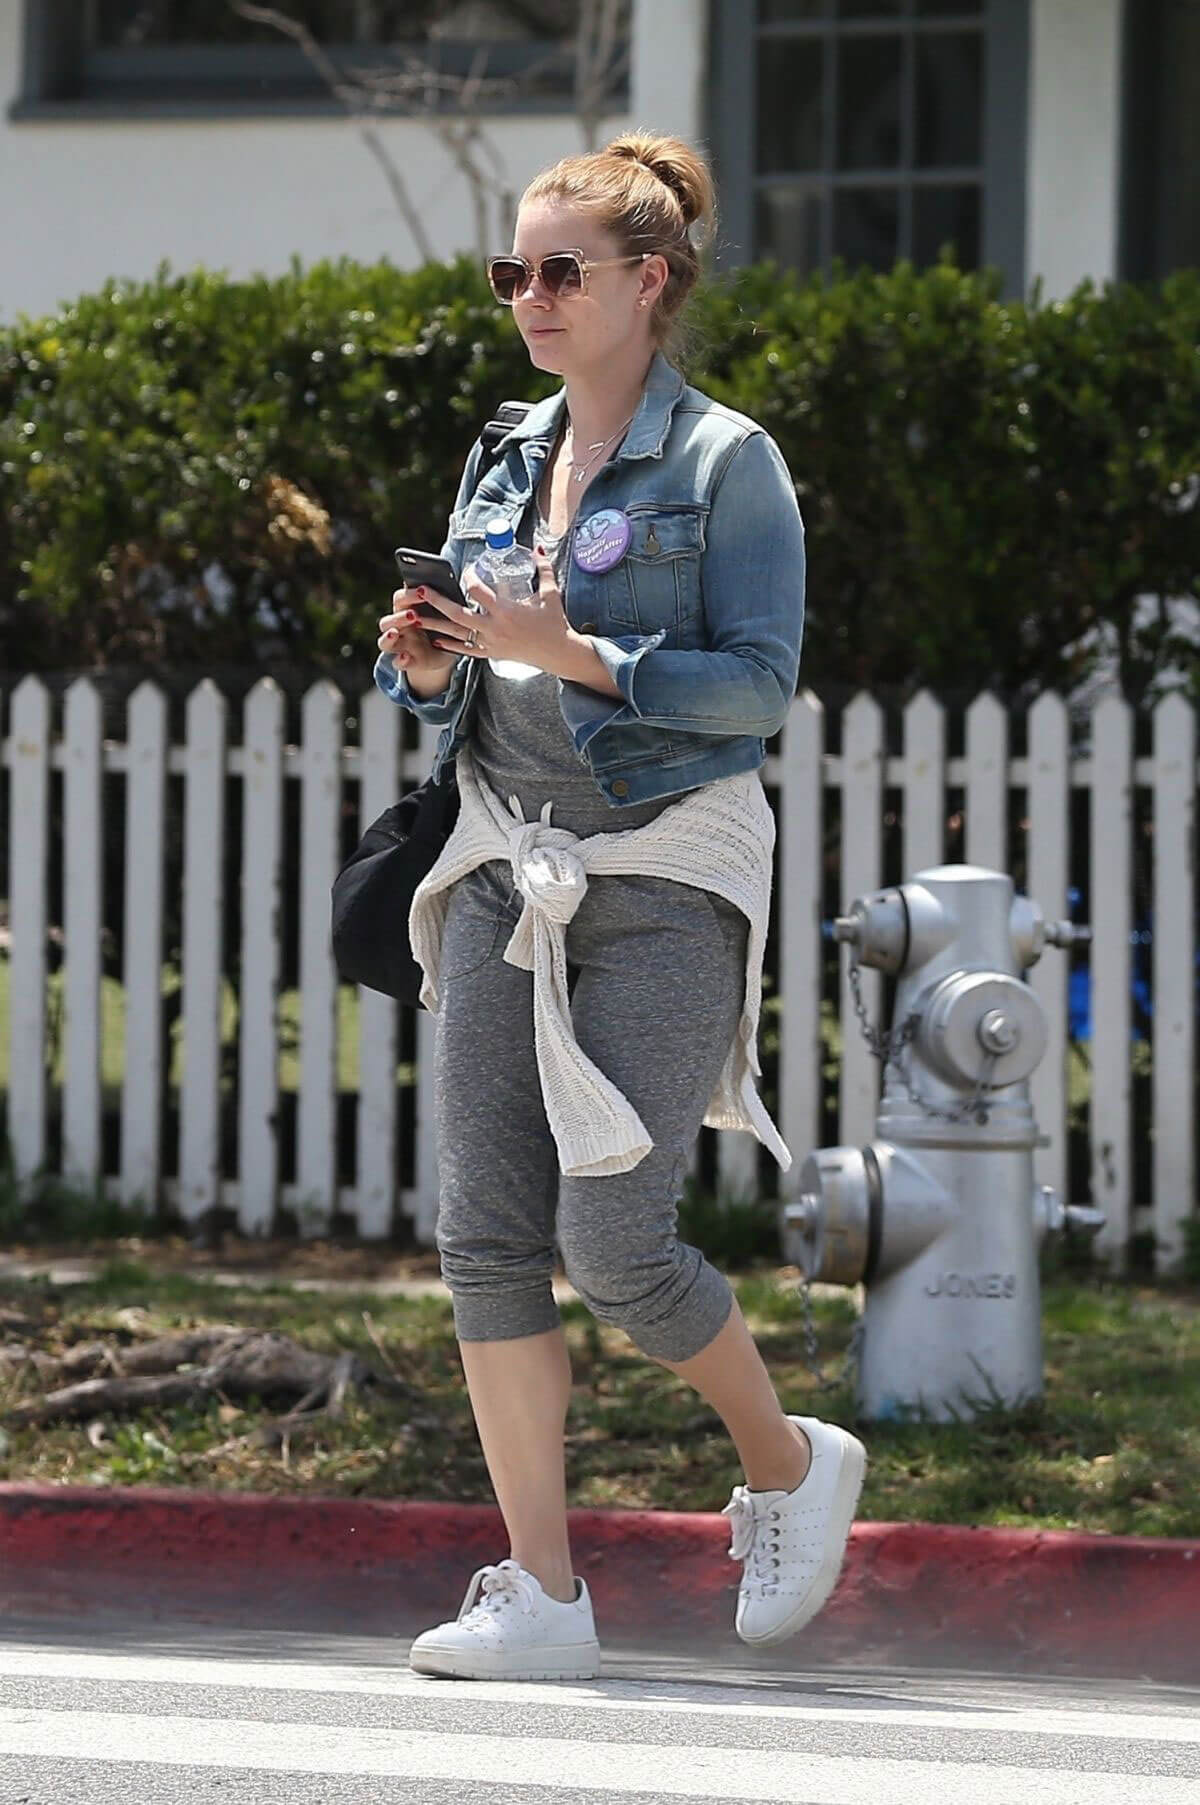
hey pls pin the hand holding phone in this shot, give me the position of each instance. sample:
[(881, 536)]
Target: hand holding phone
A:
[(405, 633)]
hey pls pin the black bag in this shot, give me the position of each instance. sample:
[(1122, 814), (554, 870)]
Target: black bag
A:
[(373, 891)]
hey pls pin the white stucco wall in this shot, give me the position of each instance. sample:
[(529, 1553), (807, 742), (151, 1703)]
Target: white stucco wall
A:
[(1074, 142), (82, 200), (669, 74)]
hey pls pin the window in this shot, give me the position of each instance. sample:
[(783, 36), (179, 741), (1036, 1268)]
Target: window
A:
[(1160, 198), (871, 130), (199, 55)]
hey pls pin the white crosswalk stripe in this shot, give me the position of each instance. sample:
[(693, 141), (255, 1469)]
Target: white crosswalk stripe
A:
[(299, 1676), (615, 1738), (100, 1736)]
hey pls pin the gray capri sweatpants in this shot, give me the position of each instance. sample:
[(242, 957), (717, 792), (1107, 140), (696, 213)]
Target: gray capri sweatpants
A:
[(657, 970)]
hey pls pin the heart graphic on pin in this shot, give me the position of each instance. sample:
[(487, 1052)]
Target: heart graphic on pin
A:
[(602, 540)]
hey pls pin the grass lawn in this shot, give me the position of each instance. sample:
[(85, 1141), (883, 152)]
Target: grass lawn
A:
[(112, 1034), (1115, 1445)]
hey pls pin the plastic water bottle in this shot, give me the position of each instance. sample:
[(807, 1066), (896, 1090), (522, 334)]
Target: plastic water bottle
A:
[(509, 569)]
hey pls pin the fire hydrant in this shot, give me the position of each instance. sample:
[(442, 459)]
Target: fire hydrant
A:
[(939, 1216)]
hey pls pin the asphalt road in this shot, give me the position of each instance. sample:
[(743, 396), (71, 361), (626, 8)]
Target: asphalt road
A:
[(147, 1713)]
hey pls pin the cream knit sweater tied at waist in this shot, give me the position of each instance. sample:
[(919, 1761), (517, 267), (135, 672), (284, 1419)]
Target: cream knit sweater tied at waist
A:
[(719, 837)]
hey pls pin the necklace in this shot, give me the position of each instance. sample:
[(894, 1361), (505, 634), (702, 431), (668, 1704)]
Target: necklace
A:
[(579, 472)]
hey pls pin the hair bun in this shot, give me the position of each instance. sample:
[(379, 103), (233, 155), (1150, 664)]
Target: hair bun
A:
[(676, 165)]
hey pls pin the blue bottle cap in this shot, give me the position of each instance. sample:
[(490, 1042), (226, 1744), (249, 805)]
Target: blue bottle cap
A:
[(499, 534)]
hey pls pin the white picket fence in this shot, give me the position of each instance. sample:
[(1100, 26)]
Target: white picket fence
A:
[(803, 776)]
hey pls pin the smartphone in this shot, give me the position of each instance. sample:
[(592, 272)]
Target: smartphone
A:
[(431, 570)]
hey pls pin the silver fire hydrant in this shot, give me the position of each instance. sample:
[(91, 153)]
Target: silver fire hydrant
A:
[(939, 1216)]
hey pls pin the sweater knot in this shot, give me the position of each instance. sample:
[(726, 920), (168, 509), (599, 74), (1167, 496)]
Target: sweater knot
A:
[(547, 872)]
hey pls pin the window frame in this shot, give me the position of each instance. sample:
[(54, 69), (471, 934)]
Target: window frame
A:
[(1004, 28), (63, 78), (1148, 155)]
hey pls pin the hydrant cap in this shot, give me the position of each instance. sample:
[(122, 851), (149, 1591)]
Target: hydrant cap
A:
[(975, 1017)]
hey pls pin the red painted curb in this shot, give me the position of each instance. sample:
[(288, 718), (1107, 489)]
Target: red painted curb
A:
[(909, 1593)]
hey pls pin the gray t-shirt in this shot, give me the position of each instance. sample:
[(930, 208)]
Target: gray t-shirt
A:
[(521, 743)]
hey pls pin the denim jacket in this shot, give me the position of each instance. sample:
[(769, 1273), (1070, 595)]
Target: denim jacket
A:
[(700, 623)]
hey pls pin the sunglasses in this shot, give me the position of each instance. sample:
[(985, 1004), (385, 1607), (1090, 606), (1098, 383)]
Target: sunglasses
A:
[(561, 273)]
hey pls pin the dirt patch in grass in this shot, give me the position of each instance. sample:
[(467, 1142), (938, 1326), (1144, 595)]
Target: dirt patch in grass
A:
[(1114, 1446), (343, 1262)]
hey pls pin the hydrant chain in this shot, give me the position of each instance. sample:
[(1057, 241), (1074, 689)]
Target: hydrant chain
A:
[(970, 1106), (884, 1043), (826, 1381)]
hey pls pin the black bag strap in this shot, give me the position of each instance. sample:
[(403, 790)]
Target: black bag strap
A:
[(507, 415)]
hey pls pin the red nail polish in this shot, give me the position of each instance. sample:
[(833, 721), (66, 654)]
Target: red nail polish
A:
[(421, 589)]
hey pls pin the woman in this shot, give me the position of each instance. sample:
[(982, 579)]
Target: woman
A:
[(586, 1030)]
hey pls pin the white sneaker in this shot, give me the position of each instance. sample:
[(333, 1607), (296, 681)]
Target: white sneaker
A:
[(514, 1632), (793, 1543)]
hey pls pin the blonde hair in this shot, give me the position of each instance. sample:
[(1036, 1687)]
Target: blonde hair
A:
[(648, 191)]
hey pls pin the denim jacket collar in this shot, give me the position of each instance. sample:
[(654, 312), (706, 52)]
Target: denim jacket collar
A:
[(651, 424)]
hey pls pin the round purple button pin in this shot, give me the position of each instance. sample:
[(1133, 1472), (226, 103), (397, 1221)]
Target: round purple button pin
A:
[(602, 540)]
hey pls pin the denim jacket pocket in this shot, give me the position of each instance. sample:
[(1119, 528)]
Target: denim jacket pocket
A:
[(468, 526), (657, 583)]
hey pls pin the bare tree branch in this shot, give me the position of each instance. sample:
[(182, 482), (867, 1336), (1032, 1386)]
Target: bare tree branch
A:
[(350, 97), (413, 86), (597, 62), (461, 133)]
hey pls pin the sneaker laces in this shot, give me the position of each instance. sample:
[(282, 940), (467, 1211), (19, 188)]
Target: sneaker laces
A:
[(502, 1585), (754, 1540)]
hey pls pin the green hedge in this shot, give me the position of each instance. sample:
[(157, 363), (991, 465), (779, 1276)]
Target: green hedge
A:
[(197, 470)]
